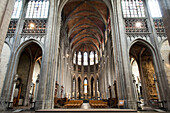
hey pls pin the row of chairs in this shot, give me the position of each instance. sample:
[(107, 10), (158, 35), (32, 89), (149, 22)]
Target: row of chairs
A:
[(98, 104), (73, 104)]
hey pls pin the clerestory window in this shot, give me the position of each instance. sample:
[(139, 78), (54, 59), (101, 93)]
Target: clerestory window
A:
[(79, 58), (17, 9), (154, 8), (133, 8), (91, 58), (85, 63), (37, 9)]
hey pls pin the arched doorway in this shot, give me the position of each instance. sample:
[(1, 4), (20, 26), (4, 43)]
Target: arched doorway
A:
[(136, 80), (143, 74), (28, 71), (85, 91), (79, 88), (92, 87)]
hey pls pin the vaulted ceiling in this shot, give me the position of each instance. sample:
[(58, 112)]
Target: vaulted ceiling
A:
[(86, 23)]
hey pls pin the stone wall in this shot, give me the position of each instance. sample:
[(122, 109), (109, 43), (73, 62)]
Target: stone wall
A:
[(165, 10), (165, 53), (6, 7), (4, 58)]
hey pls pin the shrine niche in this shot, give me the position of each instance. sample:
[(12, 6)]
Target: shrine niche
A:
[(149, 78), (143, 74)]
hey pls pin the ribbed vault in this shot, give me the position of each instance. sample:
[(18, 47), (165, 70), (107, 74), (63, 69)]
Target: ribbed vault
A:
[(86, 23)]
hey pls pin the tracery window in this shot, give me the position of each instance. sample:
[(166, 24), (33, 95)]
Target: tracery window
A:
[(85, 86), (79, 58), (154, 8), (91, 58), (37, 9), (17, 9), (96, 58), (133, 8), (74, 58), (85, 59)]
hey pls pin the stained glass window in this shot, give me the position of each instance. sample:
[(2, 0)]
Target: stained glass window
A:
[(79, 58), (154, 8), (74, 58), (133, 8), (85, 59), (96, 58), (91, 58), (85, 86), (17, 9), (37, 9)]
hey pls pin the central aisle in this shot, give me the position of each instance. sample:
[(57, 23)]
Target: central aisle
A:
[(85, 106)]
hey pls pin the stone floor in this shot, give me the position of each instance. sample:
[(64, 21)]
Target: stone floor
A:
[(85, 108), (83, 112)]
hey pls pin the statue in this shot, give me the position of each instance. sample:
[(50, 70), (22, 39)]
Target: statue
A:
[(78, 95), (17, 92), (56, 89), (115, 88), (62, 87), (110, 91)]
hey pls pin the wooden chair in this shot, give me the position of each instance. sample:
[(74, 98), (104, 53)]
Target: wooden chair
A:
[(121, 103)]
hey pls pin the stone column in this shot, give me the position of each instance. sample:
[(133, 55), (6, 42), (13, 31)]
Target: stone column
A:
[(36, 88), (65, 70), (95, 77), (102, 79), (46, 90), (6, 8), (82, 75), (105, 78), (108, 76), (69, 79), (15, 80), (111, 71), (89, 76), (59, 76), (124, 79), (101, 82), (76, 75), (77, 83)]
